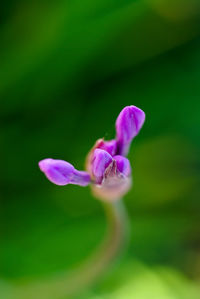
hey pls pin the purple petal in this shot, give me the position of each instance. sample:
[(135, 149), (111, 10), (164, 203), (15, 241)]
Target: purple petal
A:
[(128, 125), (123, 165), (81, 178), (62, 173), (101, 160), (109, 146)]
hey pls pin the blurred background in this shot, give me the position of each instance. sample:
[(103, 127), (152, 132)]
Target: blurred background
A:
[(67, 68)]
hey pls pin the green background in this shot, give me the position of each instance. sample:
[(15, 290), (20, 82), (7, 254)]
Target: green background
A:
[(67, 68)]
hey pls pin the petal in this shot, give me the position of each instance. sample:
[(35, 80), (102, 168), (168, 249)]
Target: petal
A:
[(58, 172), (109, 146), (81, 178), (62, 173), (128, 125), (123, 165), (101, 160)]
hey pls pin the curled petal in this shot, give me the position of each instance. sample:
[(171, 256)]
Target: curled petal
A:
[(128, 125), (101, 160), (123, 165), (62, 173)]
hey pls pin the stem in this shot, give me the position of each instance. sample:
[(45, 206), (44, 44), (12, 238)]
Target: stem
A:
[(110, 248), (92, 269)]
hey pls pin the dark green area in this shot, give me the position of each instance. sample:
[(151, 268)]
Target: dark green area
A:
[(67, 68)]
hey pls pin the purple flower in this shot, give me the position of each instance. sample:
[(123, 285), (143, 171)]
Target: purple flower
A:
[(108, 170)]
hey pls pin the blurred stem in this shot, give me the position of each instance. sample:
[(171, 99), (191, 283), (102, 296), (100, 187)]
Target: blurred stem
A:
[(94, 267), (111, 247)]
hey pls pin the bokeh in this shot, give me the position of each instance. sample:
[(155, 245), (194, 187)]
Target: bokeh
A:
[(67, 68)]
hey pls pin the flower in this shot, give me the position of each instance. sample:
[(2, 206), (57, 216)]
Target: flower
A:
[(108, 169)]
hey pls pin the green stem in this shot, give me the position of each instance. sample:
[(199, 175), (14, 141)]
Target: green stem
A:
[(92, 269)]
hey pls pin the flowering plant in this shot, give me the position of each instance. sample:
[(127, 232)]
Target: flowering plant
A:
[(108, 171)]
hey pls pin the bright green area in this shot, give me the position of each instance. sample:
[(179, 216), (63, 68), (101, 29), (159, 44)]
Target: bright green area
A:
[(67, 68)]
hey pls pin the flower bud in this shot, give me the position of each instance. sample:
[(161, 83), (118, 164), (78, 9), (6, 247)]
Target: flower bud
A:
[(128, 125), (62, 173)]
